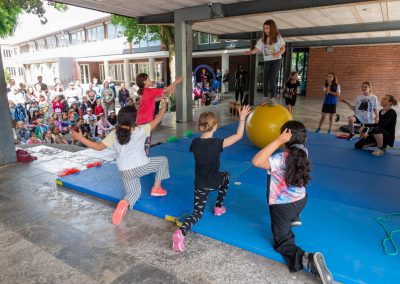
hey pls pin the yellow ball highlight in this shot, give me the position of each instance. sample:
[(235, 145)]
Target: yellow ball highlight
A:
[(265, 122)]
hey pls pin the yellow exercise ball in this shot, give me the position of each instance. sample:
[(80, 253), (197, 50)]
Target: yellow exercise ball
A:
[(265, 122)]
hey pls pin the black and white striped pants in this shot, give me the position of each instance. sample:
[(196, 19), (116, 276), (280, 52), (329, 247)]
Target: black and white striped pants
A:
[(131, 178), (200, 200)]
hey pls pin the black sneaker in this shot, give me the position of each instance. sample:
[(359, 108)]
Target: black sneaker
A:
[(337, 117), (350, 137), (317, 266), (296, 222)]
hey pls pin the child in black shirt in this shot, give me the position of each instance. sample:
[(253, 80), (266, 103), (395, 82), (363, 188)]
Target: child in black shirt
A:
[(290, 91), (207, 174)]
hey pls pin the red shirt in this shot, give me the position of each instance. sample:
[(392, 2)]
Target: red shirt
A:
[(147, 107), (97, 110)]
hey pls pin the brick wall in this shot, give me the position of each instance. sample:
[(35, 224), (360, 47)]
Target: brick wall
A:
[(380, 65)]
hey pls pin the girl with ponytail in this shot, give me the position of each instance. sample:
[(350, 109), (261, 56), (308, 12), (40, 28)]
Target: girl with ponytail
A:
[(132, 162), (148, 98), (206, 151), (289, 175)]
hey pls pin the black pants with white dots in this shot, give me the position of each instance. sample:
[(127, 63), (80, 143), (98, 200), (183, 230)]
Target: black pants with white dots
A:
[(200, 200)]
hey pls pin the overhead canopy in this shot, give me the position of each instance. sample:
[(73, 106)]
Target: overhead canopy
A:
[(305, 23)]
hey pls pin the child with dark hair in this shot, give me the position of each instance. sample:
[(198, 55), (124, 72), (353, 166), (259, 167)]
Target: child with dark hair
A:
[(206, 151), (128, 141), (148, 96), (207, 94), (290, 91), (331, 91), (290, 174), (382, 133)]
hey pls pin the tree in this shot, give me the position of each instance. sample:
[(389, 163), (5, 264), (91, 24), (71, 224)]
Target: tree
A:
[(135, 32), (7, 75), (11, 9)]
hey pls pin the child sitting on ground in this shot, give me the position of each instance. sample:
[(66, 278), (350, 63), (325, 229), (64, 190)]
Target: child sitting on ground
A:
[(132, 162), (207, 174)]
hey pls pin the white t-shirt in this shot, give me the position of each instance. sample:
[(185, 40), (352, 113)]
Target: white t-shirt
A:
[(364, 108), (268, 50), (131, 155), (87, 117), (17, 98)]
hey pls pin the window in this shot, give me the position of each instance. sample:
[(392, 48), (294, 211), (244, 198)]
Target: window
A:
[(204, 38), (102, 76), (114, 31), (77, 37), (40, 44), (84, 73), (158, 70), (24, 49), (153, 42), (132, 71), (11, 71), (63, 40), (214, 39), (7, 53), (51, 42), (117, 72), (143, 67), (95, 34), (20, 71), (32, 47)]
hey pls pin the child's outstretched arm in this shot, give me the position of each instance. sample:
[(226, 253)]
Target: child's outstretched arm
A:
[(261, 159), (350, 105), (243, 112), (171, 87), (98, 146), (159, 117)]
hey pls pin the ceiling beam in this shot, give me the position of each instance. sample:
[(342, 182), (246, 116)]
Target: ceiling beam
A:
[(325, 30), (352, 41), (203, 12)]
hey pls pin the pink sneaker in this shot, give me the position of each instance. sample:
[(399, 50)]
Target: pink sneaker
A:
[(120, 212), (177, 241), (158, 191), (219, 211)]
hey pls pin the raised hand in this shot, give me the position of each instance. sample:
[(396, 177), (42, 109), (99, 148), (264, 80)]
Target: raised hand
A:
[(243, 112), (285, 136)]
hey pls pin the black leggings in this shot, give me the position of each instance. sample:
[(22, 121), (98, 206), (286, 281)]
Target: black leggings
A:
[(200, 200), (271, 69), (237, 92), (284, 242)]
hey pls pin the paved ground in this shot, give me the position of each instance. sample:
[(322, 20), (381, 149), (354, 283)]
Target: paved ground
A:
[(50, 235)]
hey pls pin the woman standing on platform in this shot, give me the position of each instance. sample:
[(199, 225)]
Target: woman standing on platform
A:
[(272, 46)]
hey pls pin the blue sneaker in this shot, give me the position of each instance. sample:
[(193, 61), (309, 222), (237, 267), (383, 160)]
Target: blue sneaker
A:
[(330, 131), (317, 130)]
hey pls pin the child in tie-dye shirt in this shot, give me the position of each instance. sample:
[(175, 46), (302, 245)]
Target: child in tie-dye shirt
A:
[(290, 174)]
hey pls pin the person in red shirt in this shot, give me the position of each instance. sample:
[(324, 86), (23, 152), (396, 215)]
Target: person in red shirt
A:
[(98, 108), (148, 97)]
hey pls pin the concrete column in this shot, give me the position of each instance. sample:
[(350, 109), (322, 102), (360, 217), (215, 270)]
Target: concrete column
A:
[(287, 61), (107, 70), (126, 73), (7, 149), (183, 62), (224, 66), (253, 74), (151, 69), (134, 71)]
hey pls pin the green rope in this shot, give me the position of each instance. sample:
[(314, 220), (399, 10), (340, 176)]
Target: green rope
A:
[(389, 234)]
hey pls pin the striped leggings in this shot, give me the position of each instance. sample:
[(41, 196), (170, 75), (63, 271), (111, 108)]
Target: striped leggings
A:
[(131, 178), (200, 200)]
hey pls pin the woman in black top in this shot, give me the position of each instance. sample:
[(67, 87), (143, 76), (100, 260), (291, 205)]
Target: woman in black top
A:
[(381, 134)]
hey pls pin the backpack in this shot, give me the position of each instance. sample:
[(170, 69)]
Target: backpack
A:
[(19, 114), (24, 156)]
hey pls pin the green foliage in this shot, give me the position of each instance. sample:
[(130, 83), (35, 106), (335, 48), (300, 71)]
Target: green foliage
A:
[(134, 31), (7, 75), (11, 9)]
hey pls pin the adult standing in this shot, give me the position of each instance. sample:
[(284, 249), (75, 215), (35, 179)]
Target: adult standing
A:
[(225, 81), (108, 95), (240, 83), (123, 95), (272, 46)]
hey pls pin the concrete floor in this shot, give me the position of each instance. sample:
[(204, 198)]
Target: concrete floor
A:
[(53, 235)]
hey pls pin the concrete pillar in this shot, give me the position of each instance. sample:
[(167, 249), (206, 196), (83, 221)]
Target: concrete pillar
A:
[(183, 59), (253, 75), (7, 149), (224, 66), (126, 73), (287, 61), (151, 69), (134, 71), (107, 70)]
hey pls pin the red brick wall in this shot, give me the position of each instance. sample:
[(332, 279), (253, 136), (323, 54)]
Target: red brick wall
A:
[(380, 65)]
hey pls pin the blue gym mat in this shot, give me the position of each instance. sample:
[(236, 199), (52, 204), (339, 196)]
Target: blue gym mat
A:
[(349, 189)]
